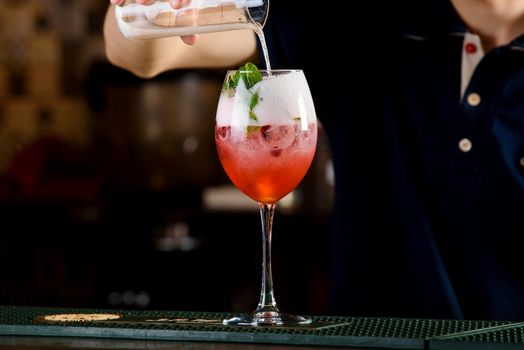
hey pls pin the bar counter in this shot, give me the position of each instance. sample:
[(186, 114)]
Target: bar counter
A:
[(31, 328)]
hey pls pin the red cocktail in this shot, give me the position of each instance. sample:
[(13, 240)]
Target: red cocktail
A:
[(266, 136)]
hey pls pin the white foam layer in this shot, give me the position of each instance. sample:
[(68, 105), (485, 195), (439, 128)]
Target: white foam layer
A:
[(283, 99)]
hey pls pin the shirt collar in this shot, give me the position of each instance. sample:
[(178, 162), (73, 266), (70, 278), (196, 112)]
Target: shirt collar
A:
[(437, 18)]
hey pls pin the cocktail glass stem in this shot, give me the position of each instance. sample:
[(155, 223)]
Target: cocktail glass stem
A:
[(267, 306), (267, 312)]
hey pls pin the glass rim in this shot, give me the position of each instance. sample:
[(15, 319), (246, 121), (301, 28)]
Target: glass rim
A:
[(267, 70)]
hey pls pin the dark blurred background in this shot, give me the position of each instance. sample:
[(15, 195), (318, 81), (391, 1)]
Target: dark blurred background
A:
[(111, 192)]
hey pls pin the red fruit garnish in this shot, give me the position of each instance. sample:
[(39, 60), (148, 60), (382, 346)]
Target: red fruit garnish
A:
[(276, 152), (263, 131), (222, 132)]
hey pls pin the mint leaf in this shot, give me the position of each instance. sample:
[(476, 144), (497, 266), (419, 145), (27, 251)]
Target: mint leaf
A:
[(252, 130), (232, 82), (253, 116), (255, 98), (251, 75), (248, 72)]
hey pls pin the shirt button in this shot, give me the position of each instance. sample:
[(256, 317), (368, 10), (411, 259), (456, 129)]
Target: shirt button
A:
[(470, 48), (465, 145), (474, 99)]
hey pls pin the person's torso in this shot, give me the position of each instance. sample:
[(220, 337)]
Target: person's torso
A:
[(443, 175)]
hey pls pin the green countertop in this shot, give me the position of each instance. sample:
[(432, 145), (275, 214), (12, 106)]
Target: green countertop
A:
[(356, 332)]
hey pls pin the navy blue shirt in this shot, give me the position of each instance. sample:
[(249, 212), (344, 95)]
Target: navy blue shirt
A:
[(423, 228)]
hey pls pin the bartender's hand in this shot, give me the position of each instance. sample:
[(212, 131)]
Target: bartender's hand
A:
[(148, 58), (176, 4)]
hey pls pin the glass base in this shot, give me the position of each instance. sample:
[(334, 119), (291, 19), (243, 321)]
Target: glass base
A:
[(268, 319)]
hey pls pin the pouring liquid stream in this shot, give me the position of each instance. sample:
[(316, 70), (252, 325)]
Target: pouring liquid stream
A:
[(263, 44)]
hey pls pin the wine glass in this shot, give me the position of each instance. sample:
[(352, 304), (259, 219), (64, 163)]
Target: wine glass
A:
[(266, 137)]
